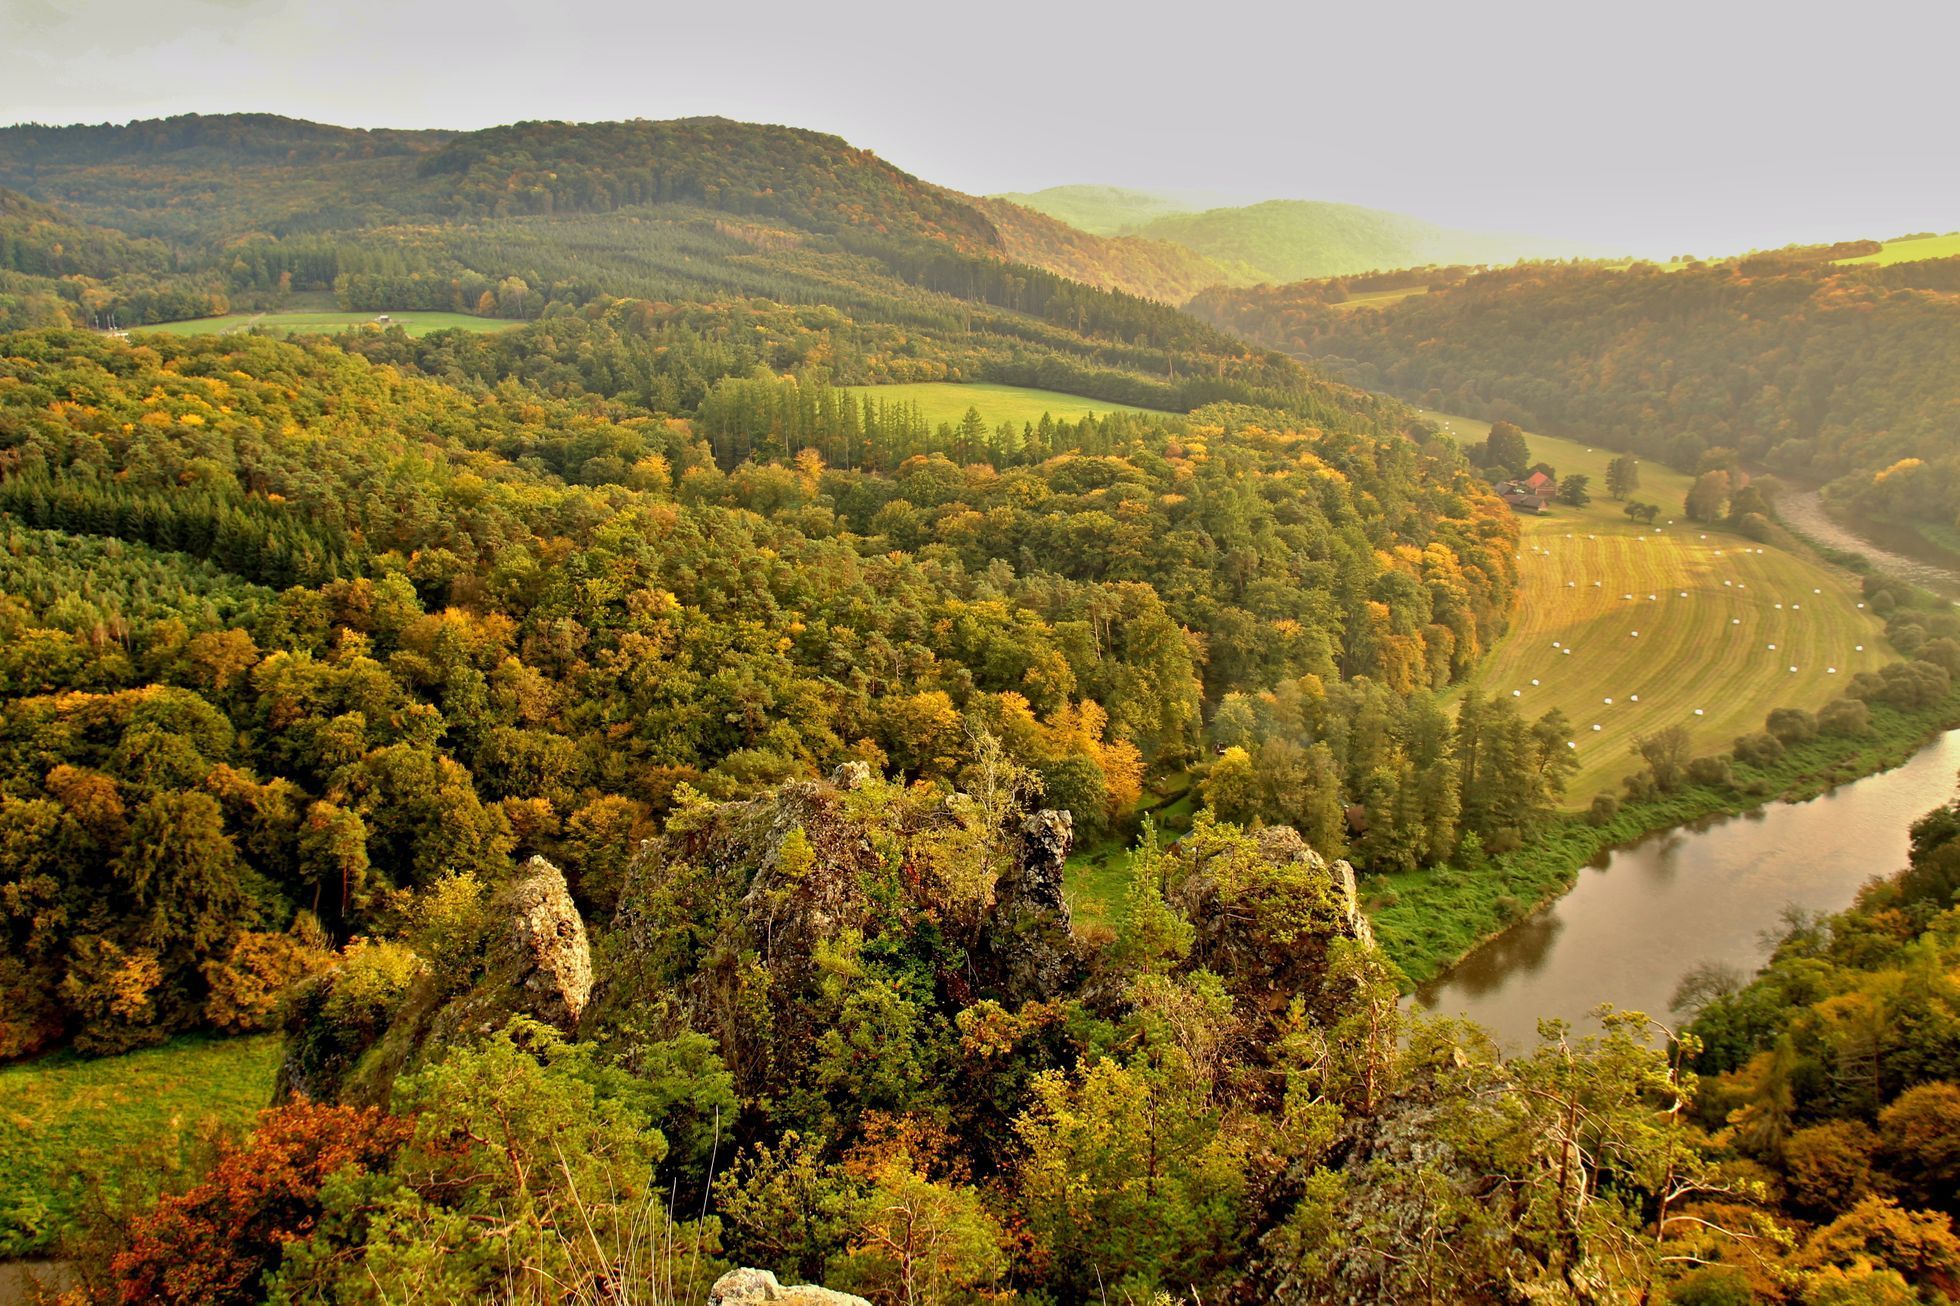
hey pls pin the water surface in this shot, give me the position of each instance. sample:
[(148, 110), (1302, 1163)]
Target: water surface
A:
[(1635, 924)]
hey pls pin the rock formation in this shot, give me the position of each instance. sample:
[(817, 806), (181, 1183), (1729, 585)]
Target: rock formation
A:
[(756, 1287), (1028, 942), (537, 963)]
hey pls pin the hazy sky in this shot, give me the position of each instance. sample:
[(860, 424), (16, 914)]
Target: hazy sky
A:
[(1656, 126)]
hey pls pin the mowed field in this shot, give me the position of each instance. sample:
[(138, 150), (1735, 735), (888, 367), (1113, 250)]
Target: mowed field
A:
[(65, 1115), (1379, 298), (1629, 629), (328, 322), (1913, 250), (947, 401)]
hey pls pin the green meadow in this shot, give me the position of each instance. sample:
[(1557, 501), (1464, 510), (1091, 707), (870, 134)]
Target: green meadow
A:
[(63, 1117), (1912, 250), (947, 401), (316, 322)]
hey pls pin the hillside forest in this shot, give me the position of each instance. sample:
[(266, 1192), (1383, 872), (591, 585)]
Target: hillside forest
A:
[(1792, 362), (636, 775)]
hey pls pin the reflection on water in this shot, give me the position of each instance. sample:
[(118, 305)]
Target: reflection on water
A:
[(1631, 928)]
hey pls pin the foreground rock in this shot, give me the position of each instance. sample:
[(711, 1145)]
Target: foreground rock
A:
[(754, 1287)]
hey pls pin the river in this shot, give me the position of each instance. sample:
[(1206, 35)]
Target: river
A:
[(1652, 911), (1803, 511)]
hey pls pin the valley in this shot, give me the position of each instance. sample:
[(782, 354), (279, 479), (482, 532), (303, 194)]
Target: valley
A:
[(1629, 629), (780, 723)]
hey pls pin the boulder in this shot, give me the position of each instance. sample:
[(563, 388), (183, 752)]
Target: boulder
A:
[(755, 1287)]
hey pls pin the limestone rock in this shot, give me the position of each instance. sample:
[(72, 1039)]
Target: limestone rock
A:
[(538, 963), (756, 1287), (548, 949), (851, 775), (1028, 943)]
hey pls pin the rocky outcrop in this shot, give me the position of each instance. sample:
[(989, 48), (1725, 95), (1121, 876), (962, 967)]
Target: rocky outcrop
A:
[(756, 1287), (1028, 946), (1265, 909), (546, 954), (537, 963)]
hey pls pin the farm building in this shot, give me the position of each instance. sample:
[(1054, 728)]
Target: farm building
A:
[(1521, 497)]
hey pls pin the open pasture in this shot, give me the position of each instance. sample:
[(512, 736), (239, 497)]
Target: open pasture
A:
[(65, 1115), (1631, 629), (327, 322), (947, 401), (1911, 250)]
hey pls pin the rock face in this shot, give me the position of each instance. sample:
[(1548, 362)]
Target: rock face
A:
[(1265, 921), (1028, 943), (755, 1287), (548, 956), (537, 963)]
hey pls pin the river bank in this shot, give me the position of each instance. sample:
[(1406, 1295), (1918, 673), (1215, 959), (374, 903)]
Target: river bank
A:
[(1714, 892), (1431, 921)]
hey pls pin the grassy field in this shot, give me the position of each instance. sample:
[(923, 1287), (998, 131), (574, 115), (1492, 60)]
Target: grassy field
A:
[(64, 1116), (326, 322), (947, 401), (1912, 251), (1695, 636), (1097, 875), (1379, 298)]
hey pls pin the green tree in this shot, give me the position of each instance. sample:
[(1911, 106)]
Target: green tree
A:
[(1622, 476)]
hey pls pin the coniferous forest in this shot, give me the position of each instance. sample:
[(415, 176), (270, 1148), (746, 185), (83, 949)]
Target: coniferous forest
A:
[(642, 778)]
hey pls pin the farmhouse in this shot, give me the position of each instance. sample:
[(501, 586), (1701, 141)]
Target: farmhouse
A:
[(1521, 496)]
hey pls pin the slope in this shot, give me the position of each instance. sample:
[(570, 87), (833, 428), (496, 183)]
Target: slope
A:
[(1288, 240), (1102, 210)]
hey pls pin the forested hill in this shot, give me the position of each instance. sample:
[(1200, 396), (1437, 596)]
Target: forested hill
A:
[(287, 628), (1285, 240), (211, 181), (1800, 364)]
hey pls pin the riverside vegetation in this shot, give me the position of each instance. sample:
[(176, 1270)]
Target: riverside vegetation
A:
[(635, 767)]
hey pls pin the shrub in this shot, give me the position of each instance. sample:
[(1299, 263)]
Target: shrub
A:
[(1845, 717), (1759, 749), (1604, 809), (1714, 772), (1791, 725)]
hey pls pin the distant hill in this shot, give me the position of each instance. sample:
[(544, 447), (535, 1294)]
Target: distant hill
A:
[(1155, 269), (1292, 240), (1103, 210), (1286, 240), (206, 179)]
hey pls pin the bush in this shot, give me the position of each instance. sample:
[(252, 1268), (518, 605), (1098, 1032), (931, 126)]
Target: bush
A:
[(1759, 749), (1791, 725), (1845, 718), (1714, 772), (1603, 810)]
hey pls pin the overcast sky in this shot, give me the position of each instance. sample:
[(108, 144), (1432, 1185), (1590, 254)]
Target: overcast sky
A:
[(1652, 127)]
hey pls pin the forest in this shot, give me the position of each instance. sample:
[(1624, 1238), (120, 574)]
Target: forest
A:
[(635, 774), (1792, 362)]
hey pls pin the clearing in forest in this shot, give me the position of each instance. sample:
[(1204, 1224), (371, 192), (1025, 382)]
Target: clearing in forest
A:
[(1631, 629), (1911, 250), (329, 323), (65, 1116), (947, 401)]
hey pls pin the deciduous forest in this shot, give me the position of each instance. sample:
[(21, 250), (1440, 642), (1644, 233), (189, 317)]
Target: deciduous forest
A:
[(636, 776)]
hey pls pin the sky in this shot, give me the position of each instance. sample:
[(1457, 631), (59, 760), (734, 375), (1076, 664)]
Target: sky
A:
[(1653, 128)]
